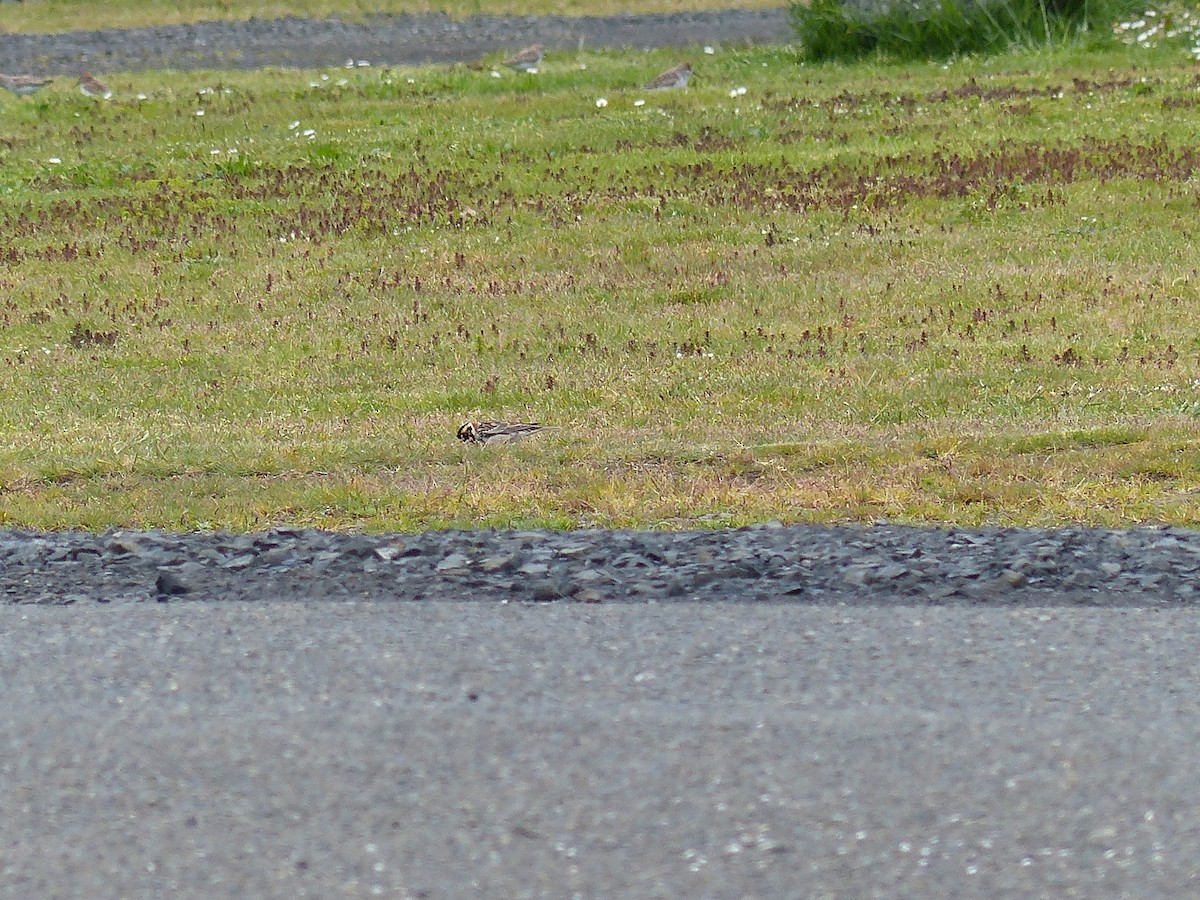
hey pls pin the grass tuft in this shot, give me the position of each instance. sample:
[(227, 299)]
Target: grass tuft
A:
[(941, 29)]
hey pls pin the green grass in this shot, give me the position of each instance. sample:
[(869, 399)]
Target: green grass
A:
[(934, 293), (47, 16), (942, 29)]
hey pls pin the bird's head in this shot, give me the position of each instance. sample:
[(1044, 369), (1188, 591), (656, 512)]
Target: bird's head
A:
[(467, 432)]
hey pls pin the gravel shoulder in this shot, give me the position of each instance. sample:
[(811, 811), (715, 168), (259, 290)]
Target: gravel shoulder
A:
[(381, 40), (883, 565)]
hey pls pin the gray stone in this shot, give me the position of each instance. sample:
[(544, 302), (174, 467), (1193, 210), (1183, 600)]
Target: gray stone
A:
[(545, 590), (500, 562), (455, 562), (170, 584)]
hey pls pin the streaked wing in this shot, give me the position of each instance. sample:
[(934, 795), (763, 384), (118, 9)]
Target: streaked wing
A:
[(501, 432), (527, 58), (671, 78)]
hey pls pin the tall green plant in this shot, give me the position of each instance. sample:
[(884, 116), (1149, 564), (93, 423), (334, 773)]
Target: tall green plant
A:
[(910, 29)]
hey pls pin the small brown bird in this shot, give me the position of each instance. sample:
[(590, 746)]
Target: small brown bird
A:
[(23, 84), (672, 78), (497, 432), (527, 60), (91, 86)]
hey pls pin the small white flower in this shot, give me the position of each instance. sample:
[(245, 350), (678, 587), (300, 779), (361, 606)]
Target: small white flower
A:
[(309, 132), (54, 161), (342, 82), (583, 67), (214, 152), (294, 125), (495, 74), (350, 63), (639, 102), (324, 76), (363, 63), (411, 80), (601, 103), (141, 96), (709, 51), (199, 112), (740, 91)]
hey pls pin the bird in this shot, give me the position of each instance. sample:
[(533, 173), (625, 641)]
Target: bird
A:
[(527, 60), (672, 78), (497, 432), (23, 84), (91, 86)]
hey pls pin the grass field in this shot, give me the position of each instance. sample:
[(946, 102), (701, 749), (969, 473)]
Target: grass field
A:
[(955, 294), (74, 15)]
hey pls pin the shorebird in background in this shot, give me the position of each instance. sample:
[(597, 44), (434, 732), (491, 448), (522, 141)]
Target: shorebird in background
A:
[(91, 86), (672, 78), (23, 84), (527, 60)]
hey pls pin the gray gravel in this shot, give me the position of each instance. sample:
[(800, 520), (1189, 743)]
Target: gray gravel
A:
[(769, 563), (408, 40)]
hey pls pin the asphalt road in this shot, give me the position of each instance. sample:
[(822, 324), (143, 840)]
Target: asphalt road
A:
[(381, 40), (719, 750)]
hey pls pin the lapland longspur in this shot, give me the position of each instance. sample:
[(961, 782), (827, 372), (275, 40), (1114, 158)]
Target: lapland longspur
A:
[(91, 86), (23, 84), (527, 60), (497, 432), (672, 78)]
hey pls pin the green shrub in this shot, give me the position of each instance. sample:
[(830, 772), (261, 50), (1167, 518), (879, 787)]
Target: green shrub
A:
[(912, 29)]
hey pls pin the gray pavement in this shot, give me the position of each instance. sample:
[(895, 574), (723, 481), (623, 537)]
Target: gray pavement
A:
[(717, 750), (380, 40)]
